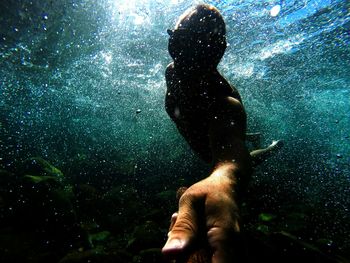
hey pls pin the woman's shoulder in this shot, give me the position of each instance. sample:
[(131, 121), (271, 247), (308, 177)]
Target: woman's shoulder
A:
[(169, 69)]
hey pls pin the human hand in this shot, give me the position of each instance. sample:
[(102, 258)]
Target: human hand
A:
[(207, 210)]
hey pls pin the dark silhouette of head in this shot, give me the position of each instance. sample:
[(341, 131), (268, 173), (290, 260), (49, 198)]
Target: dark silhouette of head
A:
[(198, 40)]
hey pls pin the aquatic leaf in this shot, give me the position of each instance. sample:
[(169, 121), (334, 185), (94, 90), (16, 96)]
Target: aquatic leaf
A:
[(266, 217), (39, 166), (100, 236), (39, 179), (297, 240), (294, 222), (263, 228)]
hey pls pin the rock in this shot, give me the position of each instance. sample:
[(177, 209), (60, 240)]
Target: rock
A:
[(83, 256), (40, 173), (7, 181), (297, 248), (96, 256), (294, 222), (263, 228), (17, 246), (145, 236), (167, 197), (159, 216), (99, 237), (121, 205), (44, 206), (5, 178), (8, 197), (87, 196), (152, 255), (166, 200)]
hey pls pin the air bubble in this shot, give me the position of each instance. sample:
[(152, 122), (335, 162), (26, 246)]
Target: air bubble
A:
[(275, 10)]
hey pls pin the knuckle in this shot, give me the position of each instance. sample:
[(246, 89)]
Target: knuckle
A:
[(216, 232), (220, 235), (187, 198), (217, 235)]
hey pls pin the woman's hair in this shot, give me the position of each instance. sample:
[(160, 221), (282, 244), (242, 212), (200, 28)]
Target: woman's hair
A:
[(199, 37), (202, 18)]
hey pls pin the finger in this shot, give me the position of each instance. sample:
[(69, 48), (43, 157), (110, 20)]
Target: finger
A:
[(224, 244), (223, 235), (184, 228), (227, 246)]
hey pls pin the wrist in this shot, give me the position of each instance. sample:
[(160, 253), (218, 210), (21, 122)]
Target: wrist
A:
[(225, 169), (226, 175)]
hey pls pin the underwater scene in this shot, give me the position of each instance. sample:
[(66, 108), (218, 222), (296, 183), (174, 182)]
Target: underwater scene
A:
[(90, 162)]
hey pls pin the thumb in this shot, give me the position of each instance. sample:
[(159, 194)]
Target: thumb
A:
[(185, 228)]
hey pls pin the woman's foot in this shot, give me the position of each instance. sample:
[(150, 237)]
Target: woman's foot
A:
[(276, 145)]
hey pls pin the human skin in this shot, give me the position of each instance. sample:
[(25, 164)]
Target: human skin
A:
[(209, 114), (213, 201)]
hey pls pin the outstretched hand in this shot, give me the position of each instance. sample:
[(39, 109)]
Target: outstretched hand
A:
[(207, 210)]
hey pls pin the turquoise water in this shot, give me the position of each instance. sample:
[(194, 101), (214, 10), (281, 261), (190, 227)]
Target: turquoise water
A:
[(82, 86)]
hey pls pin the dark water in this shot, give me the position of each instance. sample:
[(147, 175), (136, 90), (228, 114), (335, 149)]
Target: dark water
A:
[(82, 87)]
